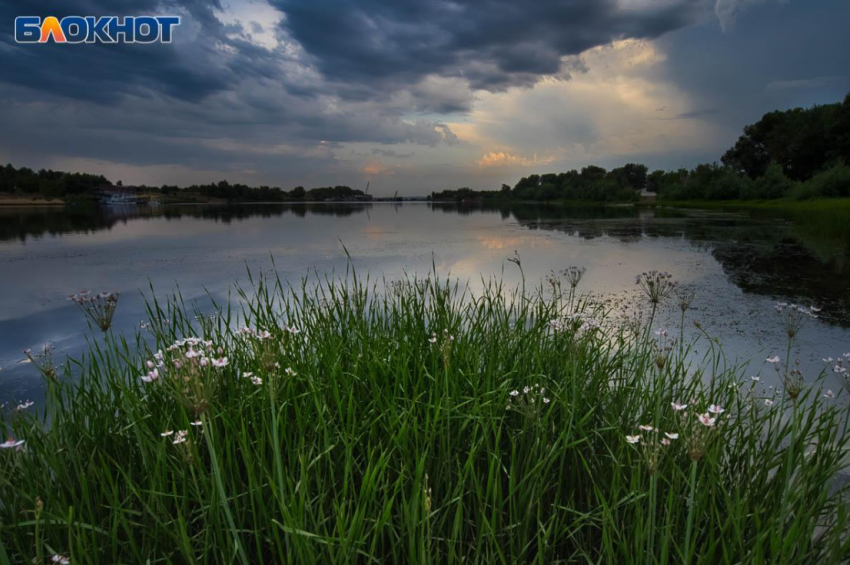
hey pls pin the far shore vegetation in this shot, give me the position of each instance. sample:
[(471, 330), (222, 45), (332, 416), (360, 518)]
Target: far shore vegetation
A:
[(798, 154), (25, 186), (795, 155)]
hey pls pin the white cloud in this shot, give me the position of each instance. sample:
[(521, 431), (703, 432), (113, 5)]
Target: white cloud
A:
[(727, 11), (610, 112), (504, 159)]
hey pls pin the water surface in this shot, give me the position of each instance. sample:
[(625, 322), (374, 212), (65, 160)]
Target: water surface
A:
[(737, 266)]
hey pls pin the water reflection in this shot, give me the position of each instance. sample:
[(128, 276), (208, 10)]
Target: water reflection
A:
[(22, 223), (762, 256), (737, 264)]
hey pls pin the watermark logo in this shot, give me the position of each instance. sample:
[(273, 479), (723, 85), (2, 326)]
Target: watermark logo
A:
[(90, 29)]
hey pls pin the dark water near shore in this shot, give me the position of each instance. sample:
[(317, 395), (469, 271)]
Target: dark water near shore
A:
[(737, 266)]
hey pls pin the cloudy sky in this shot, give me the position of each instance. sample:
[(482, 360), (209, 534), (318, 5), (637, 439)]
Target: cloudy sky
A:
[(412, 95)]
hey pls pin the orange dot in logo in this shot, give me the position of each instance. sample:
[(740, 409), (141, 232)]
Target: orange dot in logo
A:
[(49, 27)]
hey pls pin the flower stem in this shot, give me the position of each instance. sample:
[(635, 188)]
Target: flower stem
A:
[(690, 524), (650, 546)]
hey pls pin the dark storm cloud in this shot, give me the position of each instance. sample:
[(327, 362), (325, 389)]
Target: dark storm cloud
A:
[(494, 44), (104, 72), (692, 115), (356, 51), (781, 56), (391, 153)]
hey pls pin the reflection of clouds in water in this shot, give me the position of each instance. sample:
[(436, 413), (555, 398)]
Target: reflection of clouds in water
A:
[(376, 232), (510, 243)]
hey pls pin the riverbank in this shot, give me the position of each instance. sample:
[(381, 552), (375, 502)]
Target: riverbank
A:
[(336, 424), (170, 199), (13, 201), (825, 219), (778, 205)]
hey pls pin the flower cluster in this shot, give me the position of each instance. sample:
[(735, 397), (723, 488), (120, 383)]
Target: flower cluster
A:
[(182, 440), (838, 367), (794, 316), (191, 364), (193, 349), (698, 428), (684, 299), (662, 348), (580, 322), (529, 401), (651, 443), (574, 275), (181, 437), (446, 337), (255, 334), (657, 285), (98, 307), (266, 348), (443, 343), (255, 380), (791, 378), (43, 360)]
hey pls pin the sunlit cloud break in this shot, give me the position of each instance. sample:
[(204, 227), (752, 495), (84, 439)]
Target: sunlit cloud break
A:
[(504, 159)]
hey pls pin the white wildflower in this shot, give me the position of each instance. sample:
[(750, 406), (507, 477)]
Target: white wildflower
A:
[(706, 420), (11, 443)]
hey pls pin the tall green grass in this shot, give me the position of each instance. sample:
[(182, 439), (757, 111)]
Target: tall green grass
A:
[(394, 438)]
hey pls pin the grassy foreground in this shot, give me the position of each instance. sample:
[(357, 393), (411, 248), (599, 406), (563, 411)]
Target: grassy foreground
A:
[(420, 425)]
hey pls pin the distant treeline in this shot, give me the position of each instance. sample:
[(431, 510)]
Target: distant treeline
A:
[(592, 183), (48, 184), (223, 190), (56, 184), (799, 153)]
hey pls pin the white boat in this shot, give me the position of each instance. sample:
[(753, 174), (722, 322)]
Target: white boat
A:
[(119, 199)]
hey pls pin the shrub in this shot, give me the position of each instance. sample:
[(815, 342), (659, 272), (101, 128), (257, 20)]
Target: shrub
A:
[(773, 184), (833, 182)]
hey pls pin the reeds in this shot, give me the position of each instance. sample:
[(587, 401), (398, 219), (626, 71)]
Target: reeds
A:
[(424, 425)]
